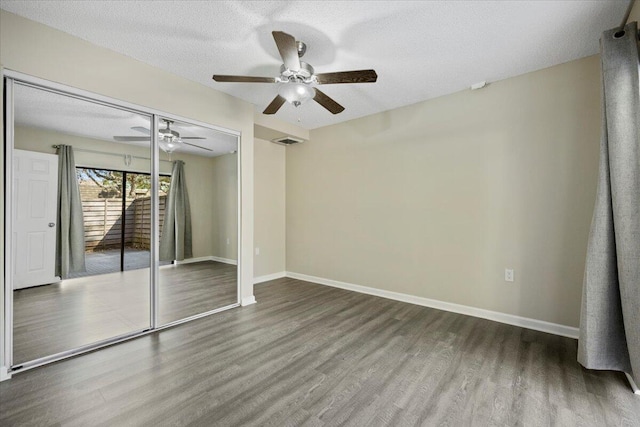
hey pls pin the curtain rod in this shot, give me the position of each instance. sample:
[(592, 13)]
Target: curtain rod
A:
[(626, 15), (112, 154)]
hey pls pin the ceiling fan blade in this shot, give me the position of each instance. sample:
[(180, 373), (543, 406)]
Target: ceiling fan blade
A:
[(131, 138), (359, 76), (327, 102), (141, 129), (243, 79), (194, 145), (275, 105), (288, 49), (192, 137)]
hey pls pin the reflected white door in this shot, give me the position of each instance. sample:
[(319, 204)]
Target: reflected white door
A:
[(35, 190)]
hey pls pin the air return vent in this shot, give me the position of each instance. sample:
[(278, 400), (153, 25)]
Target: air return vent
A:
[(287, 140)]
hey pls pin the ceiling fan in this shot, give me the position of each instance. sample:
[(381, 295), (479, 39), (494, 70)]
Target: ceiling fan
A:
[(168, 139), (297, 79)]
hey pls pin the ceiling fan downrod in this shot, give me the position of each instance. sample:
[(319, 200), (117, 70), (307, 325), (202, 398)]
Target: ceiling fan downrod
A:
[(167, 133)]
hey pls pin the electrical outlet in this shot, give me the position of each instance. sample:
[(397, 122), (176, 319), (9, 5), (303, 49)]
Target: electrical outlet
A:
[(257, 251), (508, 275), (228, 241)]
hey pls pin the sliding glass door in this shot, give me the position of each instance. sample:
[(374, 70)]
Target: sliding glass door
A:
[(118, 224), (121, 222)]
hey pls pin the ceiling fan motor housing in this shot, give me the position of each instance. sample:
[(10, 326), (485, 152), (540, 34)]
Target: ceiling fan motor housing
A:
[(168, 134), (304, 74)]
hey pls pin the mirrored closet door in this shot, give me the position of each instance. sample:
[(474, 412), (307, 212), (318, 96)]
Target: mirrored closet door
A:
[(80, 223), (198, 227), (123, 221)]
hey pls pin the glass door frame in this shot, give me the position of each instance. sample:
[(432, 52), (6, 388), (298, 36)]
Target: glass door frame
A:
[(6, 345), (123, 200)]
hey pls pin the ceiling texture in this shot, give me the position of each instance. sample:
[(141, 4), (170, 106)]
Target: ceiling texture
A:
[(68, 115), (420, 49)]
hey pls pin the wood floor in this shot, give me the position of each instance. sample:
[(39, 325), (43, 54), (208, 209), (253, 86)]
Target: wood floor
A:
[(108, 261), (312, 355), (75, 312)]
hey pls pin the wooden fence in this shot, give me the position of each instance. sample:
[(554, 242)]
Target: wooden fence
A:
[(103, 223), (142, 221)]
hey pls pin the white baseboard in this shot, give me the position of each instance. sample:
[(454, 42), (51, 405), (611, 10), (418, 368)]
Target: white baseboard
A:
[(633, 384), (267, 277), (207, 258), (224, 260), (510, 319), (4, 374), (248, 300), (192, 260)]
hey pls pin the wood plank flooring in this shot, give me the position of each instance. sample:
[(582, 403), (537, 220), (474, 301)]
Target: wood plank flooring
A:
[(311, 355), (75, 312)]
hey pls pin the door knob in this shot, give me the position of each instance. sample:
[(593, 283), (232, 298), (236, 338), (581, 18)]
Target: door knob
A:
[(52, 224)]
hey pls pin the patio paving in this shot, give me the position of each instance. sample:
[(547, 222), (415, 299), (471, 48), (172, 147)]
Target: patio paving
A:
[(103, 262)]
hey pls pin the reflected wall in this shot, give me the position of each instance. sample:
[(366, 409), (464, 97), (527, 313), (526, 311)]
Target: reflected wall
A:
[(108, 294), (199, 234)]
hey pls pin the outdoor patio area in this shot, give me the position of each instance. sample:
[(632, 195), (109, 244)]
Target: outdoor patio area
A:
[(108, 261)]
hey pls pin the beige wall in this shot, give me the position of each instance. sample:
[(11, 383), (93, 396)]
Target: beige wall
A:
[(438, 198), (635, 13), (269, 214), (40, 140), (224, 210)]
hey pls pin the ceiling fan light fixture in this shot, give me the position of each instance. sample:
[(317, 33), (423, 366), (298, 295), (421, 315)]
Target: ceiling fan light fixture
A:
[(296, 93), (169, 145), (168, 139)]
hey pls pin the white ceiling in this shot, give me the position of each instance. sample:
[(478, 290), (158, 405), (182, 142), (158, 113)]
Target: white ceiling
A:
[(420, 49), (51, 111)]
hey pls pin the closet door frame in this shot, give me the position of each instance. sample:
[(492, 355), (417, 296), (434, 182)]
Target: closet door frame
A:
[(10, 78)]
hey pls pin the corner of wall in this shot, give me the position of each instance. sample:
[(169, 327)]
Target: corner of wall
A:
[(635, 12), (4, 374), (250, 300), (270, 127), (247, 215)]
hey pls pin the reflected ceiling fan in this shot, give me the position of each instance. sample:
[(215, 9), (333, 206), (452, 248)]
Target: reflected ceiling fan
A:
[(168, 139), (297, 79)]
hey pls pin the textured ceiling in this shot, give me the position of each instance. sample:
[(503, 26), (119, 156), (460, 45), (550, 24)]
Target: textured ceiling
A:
[(46, 110), (420, 50)]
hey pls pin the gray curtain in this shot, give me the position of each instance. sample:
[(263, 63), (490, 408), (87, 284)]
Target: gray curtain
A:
[(610, 320), (70, 230), (175, 240)]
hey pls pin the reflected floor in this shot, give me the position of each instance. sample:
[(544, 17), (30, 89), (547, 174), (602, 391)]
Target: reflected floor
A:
[(75, 312), (108, 261)]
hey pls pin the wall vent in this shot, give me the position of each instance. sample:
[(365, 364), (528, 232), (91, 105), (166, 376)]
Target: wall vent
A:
[(287, 140)]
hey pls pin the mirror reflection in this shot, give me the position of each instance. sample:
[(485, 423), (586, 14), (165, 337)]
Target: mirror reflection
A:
[(82, 227), (199, 227), (81, 224)]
